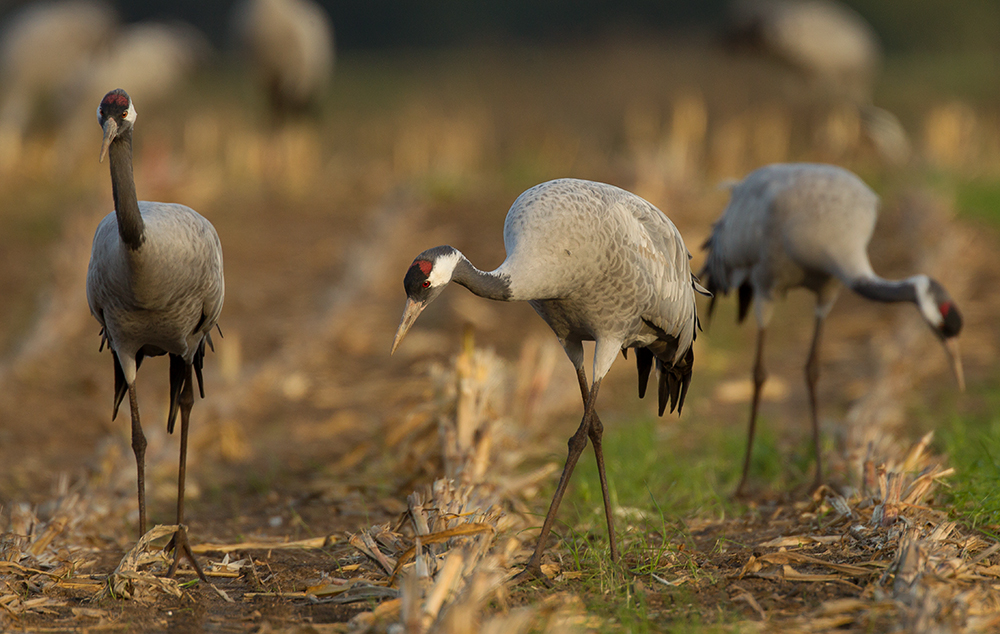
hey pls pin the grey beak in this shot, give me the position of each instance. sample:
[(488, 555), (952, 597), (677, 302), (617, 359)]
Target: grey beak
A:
[(951, 347), (110, 132), (411, 311)]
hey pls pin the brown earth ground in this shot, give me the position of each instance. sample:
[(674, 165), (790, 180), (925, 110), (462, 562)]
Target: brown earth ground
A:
[(310, 429)]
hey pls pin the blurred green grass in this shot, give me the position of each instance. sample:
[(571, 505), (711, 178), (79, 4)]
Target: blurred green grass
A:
[(972, 442), (979, 198)]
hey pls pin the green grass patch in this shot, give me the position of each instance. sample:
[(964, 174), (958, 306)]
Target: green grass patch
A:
[(973, 446), (657, 479), (656, 473), (979, 198)]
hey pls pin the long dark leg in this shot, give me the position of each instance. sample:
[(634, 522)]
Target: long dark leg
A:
[(577, 443), (179, 542), (759, 376), (139, 448), (596, 433), (812, 376)]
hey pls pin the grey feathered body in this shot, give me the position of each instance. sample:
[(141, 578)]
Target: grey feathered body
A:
[(792, 225), (291, 45), (163, 297), (600, 263)]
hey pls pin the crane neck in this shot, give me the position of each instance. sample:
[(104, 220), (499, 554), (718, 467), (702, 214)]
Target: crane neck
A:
[(131, 228), (491, 285), (883, 290)]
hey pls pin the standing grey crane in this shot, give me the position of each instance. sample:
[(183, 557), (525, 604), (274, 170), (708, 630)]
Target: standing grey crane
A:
[(290, 46), (808, 225), (830, 45), (597, 263), (824, 39), (155, 285)]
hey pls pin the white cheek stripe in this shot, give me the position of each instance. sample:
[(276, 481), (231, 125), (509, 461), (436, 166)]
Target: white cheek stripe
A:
[(444, 269), (130, 117), (925, 301)]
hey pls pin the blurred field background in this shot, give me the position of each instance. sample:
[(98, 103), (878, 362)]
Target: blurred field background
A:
[(437, 116)]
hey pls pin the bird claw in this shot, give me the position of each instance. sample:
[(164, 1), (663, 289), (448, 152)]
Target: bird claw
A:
[(740, 494), (531, 572), (181, 548)]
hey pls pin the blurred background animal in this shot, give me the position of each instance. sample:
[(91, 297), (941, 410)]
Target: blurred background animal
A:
[(289, 47), (808, 225)]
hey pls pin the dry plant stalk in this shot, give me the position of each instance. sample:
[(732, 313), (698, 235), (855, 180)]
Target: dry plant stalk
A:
[(903, 557), (128, 582), (446, 557)]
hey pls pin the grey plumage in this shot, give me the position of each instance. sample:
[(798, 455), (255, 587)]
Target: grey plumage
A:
[(821, 38), (155, 283), (597, 263), (289, 44), (809, 225), (831, 45), (165, 297), (43, 46)]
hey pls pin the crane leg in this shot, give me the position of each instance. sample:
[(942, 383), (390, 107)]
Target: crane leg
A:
[(596, 433), (577, 443), (179, 542), (812, 377), (139, 449), (759, 376)]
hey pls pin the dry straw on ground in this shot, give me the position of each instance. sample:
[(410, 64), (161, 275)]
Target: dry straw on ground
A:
[(909, 567), (899, 563), (454, 549)]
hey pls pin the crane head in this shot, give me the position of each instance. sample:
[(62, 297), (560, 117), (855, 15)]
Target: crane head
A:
[(427, 276), (941, 313), (115, 114)]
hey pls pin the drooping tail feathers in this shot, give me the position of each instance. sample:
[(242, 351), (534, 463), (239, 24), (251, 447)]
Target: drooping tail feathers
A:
[(121, 387), (178, 375), (673, 379), (715, 274)]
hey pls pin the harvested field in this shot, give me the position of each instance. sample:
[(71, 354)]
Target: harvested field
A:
[(332, 488)]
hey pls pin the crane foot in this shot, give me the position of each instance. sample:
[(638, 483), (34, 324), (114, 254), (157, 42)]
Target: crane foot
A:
[(530, 572), (181, 548), (740, 494)]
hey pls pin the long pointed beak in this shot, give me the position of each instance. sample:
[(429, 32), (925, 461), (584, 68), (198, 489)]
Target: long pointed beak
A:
[(110, 132), (951, 347), (411, 311)]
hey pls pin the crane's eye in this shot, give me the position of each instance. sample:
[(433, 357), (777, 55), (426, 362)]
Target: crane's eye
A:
[(427, 284), (125, 114)]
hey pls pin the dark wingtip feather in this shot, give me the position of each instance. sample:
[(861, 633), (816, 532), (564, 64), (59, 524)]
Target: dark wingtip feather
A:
[(177, 367), (662, 391), (675, 388), (746, 298), (674, 382), (199, 362), (120, 386), (707, 244), (713, 290), (643, 363), (685, 379)]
